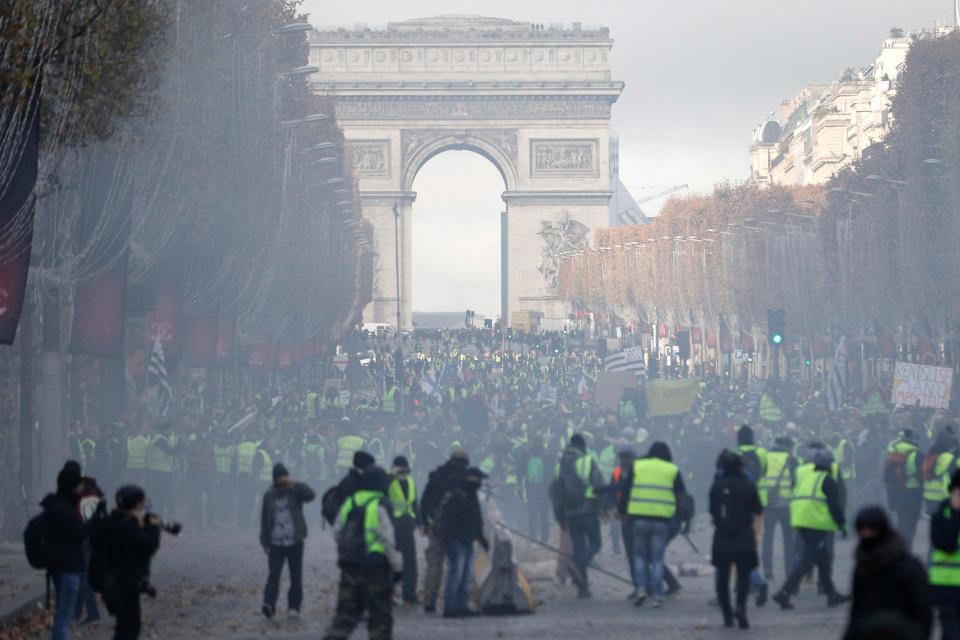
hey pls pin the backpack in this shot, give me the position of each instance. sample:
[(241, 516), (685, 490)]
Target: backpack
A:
[(895, 469), (535, 470), (352, 541), (752, 465), (928, 465), (330, 504), (568, 491), (36, 541)]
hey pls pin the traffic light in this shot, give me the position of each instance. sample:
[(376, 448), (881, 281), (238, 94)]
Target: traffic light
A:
[(776, 326)]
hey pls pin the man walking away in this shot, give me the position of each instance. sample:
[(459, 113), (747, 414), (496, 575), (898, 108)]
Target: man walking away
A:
[(778, 485), (282, 532), (945, 560), (368, 561), (734, 505), (651, 503), (576, 507), (65, 531), (334, 497), (403, 504), (815, 513), (890, 593), (461, 524), (443, 479), (903, 478)]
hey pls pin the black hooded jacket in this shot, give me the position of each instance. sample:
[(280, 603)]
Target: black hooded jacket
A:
[(889, 588), (67, 532)]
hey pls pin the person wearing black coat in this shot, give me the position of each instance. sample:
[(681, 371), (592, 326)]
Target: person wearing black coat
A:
[(66, 532), (461, 524), (131, 537), (734, 504), (442, 480), (891, 598)]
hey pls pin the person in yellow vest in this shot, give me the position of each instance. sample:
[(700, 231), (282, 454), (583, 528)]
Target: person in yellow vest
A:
[(390, 402), (367, 559), (938, 467), (904, 482), (576, 508), (402, 495), (137, 446), (313, 403), (649, 498), (347, 446), (225, 464), (944, 567), (248, 484), (815, 512), (777, 484), (159, 463)]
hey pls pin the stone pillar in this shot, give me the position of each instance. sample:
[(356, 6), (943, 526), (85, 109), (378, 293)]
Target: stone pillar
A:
[(541, 226), (378, 209)]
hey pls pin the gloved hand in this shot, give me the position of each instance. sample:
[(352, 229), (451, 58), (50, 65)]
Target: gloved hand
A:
[(843, 532), (485, 544), (397, 576)]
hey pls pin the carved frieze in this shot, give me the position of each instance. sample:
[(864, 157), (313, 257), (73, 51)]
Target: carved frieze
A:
[(551, 157), (438, 107), (371, 158)]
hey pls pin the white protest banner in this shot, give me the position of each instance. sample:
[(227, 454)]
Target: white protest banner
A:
[(922, 385)]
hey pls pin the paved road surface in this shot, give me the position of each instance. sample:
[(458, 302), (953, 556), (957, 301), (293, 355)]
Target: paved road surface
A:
[(211, 583)]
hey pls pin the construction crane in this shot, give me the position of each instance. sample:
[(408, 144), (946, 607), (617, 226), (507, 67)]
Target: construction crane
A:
[(628, 218)]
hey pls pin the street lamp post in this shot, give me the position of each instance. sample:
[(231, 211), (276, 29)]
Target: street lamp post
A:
[(398, 356)]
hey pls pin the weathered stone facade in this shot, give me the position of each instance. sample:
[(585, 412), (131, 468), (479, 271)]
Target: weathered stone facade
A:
[(535, 101)]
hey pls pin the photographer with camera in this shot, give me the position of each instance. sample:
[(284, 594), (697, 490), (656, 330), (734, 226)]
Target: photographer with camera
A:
[(122, 545)]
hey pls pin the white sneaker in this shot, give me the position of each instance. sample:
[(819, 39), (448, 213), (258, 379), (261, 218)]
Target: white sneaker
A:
[(640, 598), (293, 614), (656, 603)]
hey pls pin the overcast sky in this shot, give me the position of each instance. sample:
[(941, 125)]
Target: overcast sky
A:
[(699, 74)]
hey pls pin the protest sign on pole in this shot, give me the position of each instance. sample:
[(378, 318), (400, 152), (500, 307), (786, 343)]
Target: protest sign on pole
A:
[(671, 397), (922, 385)]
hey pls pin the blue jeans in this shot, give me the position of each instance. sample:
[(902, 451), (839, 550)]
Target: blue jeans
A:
[(456, 592), (67, 586), (649, 546), (88, 597)]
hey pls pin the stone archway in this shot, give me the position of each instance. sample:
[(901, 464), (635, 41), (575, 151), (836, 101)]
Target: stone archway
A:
[(535, 102)]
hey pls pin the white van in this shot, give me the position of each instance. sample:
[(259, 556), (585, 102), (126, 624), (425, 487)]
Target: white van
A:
[(378, 328)]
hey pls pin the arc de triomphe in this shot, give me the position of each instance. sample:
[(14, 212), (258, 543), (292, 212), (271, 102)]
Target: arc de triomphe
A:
[(534, 100)]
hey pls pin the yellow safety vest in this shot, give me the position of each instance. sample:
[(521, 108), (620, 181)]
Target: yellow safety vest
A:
[(910, 451), (402, 503), (936, 488), (769, 411), (223, 457), (652, 493), (583, 465), (369, 501), (390, 400), (312, 405), (944, 569), (157, 459), (844, 455), (346, 447), (137, 451), (266, 470), (809, 509), (777, 478), (246, 452)]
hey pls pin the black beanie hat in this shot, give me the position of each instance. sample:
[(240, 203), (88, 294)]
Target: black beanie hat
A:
[(873, 517), (129, 496), (69, 477), (375, 479), (745, 435), (955, 480), (401, 462), (362, 460), (578, 442), (279, 471)]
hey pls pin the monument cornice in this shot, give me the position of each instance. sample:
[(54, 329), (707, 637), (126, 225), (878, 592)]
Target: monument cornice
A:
[(484, 89), (558, 197), (473, 107)]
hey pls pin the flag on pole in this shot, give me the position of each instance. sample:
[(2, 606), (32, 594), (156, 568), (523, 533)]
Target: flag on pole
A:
[(837, 384), (158, 368)]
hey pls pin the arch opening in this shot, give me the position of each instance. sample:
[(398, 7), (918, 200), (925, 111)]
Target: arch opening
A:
[(456, 237)]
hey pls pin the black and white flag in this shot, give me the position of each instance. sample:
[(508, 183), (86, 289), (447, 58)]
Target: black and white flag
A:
[(158, 368), (626, 360), (837, 384)]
